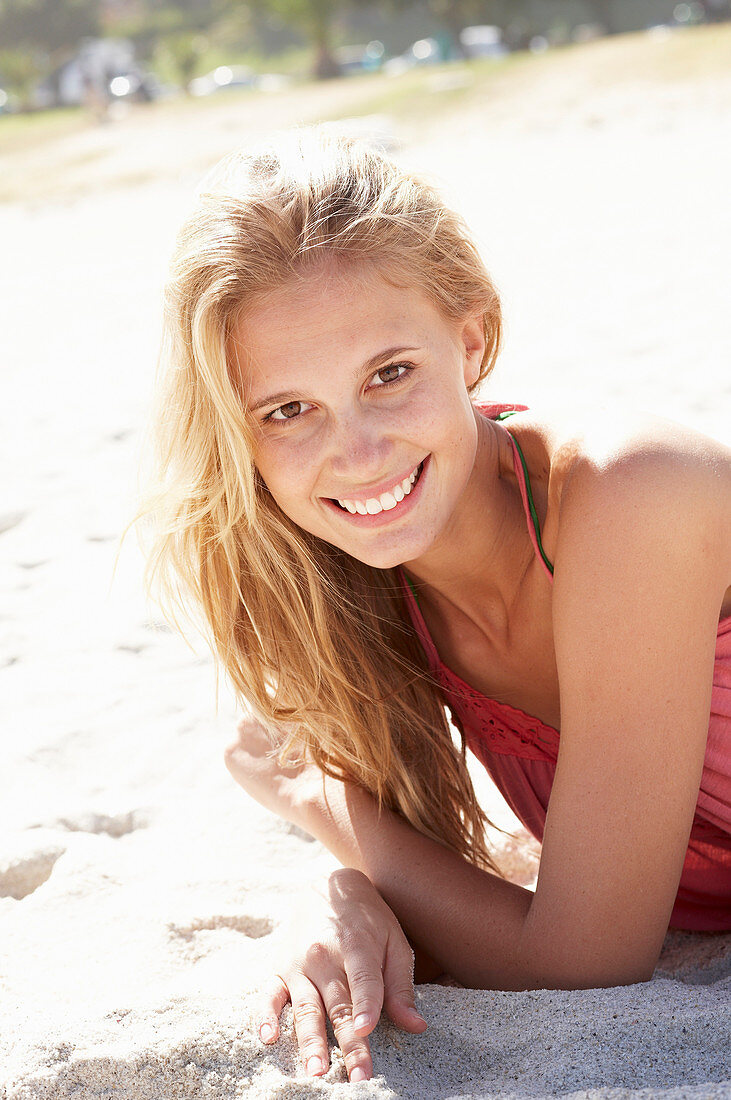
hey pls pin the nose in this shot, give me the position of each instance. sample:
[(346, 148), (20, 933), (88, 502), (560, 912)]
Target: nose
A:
[(360, 449)]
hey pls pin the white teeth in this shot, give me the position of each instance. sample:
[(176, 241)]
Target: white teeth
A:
[(385, 502)]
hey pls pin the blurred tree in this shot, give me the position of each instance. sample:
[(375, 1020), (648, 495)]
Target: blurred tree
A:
[(50, 26), (716, 11), (184, 50), (148, 22), (604, 13), (39, 35), (315, 19), (19, 71), (170, 33)]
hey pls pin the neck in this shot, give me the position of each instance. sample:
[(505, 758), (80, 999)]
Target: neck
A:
[(481, 557)]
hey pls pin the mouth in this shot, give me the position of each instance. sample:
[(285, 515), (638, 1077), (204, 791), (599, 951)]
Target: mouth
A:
[(391, 504)]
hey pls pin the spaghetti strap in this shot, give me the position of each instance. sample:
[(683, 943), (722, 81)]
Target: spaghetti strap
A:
[(534, 529), (499, 413)]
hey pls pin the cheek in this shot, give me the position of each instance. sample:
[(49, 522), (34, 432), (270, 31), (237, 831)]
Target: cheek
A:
[(287, 474)]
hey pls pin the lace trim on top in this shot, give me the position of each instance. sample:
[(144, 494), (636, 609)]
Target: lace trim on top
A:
[(499, 727)]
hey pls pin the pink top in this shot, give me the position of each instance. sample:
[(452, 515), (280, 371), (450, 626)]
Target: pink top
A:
[(520, 752)]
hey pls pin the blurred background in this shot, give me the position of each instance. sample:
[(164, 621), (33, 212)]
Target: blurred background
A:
[(101, 54)]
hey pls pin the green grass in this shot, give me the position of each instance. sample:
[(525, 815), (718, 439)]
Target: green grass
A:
[(22, 131), (438, 88)]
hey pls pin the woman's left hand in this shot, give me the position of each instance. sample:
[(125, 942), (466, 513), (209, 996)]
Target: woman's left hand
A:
[(345, 957)]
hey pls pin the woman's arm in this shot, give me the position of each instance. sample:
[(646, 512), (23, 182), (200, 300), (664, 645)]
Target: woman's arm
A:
[(642, 565)]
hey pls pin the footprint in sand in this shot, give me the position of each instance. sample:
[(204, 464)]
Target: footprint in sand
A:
[(22, 874), (251, 927), (194, 939), (114, 825)]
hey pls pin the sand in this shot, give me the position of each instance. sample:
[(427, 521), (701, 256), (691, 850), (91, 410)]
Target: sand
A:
[(142, 895)]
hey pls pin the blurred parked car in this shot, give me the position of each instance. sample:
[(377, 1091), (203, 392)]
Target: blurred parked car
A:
[(137, 86), (425, 51), (222, 79), (360, 59), (483, 41)]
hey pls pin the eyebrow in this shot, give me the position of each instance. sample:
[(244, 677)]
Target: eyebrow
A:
[(373, 363)]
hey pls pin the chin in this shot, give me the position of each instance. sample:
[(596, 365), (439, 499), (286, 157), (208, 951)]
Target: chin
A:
[(382, 561), (387, 557)]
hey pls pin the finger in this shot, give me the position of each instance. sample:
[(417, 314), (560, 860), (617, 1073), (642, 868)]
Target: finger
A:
[(365, 981), (398, 982), (309, 1026), (355, 1048), (269, 1008)]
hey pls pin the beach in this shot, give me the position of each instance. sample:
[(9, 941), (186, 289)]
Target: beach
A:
[(143, 896)]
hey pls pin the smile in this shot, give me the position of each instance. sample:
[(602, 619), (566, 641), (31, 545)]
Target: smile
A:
[(387, 505), (386, 501)]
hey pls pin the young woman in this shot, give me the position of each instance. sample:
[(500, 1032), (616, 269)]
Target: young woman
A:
[(371, 549)]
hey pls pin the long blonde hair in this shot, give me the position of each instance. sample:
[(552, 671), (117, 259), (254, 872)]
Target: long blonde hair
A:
[(316, 643)]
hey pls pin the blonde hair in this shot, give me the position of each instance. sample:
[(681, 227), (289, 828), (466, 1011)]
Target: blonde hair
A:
[(317, 644)]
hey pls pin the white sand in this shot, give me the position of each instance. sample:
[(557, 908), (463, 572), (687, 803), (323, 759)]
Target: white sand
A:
[(141, 892)]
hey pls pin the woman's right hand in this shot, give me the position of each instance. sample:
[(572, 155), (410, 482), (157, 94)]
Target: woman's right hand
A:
[(346, 958)]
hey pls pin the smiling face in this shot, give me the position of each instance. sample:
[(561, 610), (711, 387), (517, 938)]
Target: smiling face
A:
[(366, 436)]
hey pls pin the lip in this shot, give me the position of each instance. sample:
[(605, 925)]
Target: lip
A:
[(375, 491), (382, 518)]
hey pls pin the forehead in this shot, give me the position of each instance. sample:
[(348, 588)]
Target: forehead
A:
[(331, 314)]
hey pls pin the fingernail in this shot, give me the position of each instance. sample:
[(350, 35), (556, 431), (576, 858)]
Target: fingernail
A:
[(266, 1031), (314, 1065), (361, 1020), (417, 1015), (358, 1074)]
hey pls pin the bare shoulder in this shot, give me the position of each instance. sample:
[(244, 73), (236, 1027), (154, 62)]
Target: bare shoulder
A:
[(640, 468), (619, 485), (609, 437)]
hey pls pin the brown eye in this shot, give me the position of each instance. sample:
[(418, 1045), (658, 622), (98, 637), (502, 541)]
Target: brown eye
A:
[(288, 411), (388, 374), (392, 373)]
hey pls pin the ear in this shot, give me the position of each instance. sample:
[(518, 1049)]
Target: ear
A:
[(472, 340)]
